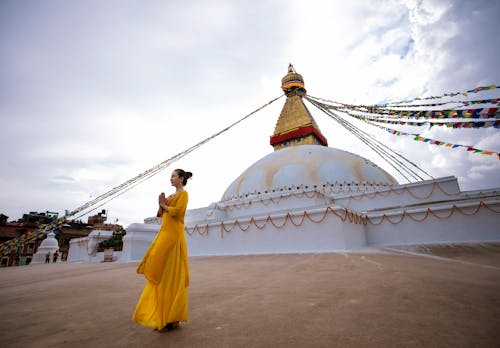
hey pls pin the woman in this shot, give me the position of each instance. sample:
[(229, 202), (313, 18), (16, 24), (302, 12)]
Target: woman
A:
[(163, 302)]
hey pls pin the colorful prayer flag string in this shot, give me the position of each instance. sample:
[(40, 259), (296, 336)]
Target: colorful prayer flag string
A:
[(417, 137), (474, 90), (479, 113), (464, 124)]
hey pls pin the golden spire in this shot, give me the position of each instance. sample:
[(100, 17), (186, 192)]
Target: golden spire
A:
[(295, 126)]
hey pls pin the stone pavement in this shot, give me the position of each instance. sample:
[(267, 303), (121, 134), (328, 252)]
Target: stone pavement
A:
[(377, 298)]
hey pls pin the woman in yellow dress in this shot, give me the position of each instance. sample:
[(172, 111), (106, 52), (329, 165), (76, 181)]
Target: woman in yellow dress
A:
[(164, 300)]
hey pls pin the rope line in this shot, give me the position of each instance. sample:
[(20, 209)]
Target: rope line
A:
[(419, 138), (129, 184), (390, 156), (463, 102), (464, 93), (472, 117), (468, 115), (444, 122), (406, 103), (363, 137)]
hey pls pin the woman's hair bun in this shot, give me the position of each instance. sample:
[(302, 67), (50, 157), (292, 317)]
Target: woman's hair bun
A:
[(184, 175)]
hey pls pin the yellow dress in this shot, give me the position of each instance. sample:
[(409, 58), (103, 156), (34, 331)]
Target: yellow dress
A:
[(165, 266)]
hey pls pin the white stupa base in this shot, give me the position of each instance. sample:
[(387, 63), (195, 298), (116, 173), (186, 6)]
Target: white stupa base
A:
[(277, 233), (428, 212), (318, 220), (260, 235), (85, 249)]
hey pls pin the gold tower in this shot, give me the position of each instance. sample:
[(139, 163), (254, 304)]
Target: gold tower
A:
[(295, 126)]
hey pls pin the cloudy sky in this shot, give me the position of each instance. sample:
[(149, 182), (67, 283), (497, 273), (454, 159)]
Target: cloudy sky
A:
[(93, 93)]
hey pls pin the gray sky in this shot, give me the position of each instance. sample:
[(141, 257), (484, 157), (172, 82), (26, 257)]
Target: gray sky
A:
[(94, 92)]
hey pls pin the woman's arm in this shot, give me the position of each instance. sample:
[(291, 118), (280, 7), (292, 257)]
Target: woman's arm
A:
[(159, 213), (180, 205)]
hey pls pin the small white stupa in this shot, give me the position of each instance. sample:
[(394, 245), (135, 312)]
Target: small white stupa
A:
[(48, 245)]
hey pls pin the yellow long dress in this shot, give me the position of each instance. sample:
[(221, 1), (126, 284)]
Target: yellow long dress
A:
[(165, 266)]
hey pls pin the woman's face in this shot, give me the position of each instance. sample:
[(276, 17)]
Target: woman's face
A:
[(175, 179)]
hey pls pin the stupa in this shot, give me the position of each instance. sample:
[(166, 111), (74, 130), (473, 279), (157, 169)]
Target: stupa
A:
[(308, 197), (48, 245)]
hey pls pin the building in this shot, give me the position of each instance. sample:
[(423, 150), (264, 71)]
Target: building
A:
[(22, 253), (17, 233), (24, 235)]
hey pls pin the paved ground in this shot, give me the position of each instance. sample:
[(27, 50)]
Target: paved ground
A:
[(448, 298)]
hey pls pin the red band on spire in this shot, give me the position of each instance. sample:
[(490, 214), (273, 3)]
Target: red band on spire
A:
[(299, 133)]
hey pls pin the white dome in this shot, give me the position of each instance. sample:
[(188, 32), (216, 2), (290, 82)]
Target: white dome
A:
[(307, 165), (50, 242)]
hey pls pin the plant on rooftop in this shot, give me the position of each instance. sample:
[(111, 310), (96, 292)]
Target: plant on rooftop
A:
[(115, 242)]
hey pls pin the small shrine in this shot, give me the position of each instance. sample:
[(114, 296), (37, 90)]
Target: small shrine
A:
[(47, 248)]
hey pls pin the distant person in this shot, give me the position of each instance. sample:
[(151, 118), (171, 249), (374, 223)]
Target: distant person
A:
[(47, 257), (54, 258), (164, 300)]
